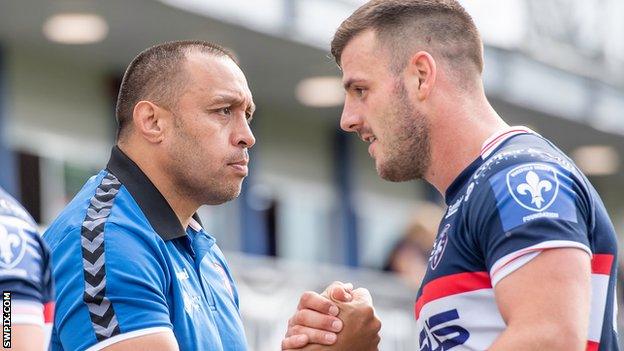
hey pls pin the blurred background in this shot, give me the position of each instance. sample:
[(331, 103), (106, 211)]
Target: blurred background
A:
[(313, 209)]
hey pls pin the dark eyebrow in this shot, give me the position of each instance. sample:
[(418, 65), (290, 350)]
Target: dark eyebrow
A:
[(234, 100), (252, 108), (349, 83), (225, 98)]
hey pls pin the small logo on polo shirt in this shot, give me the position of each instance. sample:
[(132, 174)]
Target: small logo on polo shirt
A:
[(191, 302), (224, 278), (182, 275)]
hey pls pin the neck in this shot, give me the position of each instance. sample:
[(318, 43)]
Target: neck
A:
[(457, 136), (183, 206)]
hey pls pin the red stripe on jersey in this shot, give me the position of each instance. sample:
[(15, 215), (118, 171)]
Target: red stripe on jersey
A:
[(451, 285), (48, 312), (601, 264), (592, 346), (498, 138)]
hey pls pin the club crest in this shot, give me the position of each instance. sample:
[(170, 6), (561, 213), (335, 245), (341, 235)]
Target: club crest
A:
[(533, 186), (12, 246), (438, 247)]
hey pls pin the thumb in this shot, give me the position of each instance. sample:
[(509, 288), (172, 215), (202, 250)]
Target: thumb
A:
[(340, 294), (339, 291)]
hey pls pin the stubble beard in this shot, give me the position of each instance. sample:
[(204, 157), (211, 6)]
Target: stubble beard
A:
[(408, 147), (193, 175)]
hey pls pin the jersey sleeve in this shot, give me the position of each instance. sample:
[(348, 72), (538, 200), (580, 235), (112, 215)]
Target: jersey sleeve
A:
[(524, 209), (109, 289), (25, 271)]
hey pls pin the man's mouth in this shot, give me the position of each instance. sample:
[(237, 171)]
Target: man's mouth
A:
[(371, 139), (240, 166)]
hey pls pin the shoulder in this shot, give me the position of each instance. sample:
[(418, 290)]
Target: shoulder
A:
[(11, 210), (102, 206), (522, 151), (19, 235), (527, 180), (24, 257)]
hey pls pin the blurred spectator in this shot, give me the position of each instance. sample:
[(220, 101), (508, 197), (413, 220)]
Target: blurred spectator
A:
[(408, 257)]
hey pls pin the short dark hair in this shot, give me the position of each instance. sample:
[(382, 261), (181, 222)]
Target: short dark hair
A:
[(156, 74), (441, 27)]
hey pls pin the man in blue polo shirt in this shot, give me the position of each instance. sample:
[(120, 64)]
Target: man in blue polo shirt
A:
[(134, 269)]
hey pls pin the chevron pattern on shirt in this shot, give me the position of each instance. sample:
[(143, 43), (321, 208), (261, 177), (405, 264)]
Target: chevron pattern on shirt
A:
[(101, 310)]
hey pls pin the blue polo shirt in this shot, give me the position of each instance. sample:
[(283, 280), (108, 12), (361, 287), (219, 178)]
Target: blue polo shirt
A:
[(125, 267)]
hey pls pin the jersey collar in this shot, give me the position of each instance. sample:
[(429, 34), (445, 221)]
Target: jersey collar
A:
[(496, 139), (153, 204), (489, 146)]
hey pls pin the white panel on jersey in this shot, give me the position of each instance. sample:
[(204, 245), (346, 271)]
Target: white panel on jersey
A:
[(499, 269), (513, 266), (600, 287), (478, 314), (27, 312)]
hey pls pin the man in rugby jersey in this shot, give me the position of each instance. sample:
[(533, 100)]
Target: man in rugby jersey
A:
[(25, 279), (525, 255)]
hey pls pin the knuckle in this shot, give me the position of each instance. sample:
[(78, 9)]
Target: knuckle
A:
[(305, 297), (377, 324), (299, 317), (297, 329), (368, 311), (376, 341)]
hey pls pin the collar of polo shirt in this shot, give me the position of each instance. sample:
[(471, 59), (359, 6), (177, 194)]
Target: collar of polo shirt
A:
[(153, 204)]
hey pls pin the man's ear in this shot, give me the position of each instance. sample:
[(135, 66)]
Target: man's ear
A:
[(148, 120), (421, 74)]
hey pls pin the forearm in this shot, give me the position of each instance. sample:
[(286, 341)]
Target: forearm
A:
[(27, 337)]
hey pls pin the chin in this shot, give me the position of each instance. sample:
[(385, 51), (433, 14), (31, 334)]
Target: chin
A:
[(226, 193), (395, 173)]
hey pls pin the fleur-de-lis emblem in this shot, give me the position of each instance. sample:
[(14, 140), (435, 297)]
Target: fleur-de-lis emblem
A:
[(8, 241), (534, 186)]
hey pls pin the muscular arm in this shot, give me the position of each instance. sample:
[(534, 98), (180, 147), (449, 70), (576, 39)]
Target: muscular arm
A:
[(546, 303), (164, 341)]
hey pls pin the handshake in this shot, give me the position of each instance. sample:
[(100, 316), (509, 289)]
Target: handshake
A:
[(340, 318)]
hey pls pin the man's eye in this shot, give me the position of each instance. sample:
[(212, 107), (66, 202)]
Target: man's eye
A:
[(226, 111), (359, 91)]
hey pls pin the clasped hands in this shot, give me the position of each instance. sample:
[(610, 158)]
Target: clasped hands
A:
[(340, 318)]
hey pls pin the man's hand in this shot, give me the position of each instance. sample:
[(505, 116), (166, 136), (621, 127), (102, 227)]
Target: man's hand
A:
[(360, 329), (315, 320)]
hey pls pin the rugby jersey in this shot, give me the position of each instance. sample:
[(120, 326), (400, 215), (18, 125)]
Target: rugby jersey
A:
[(521, 196), (25, 268)]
